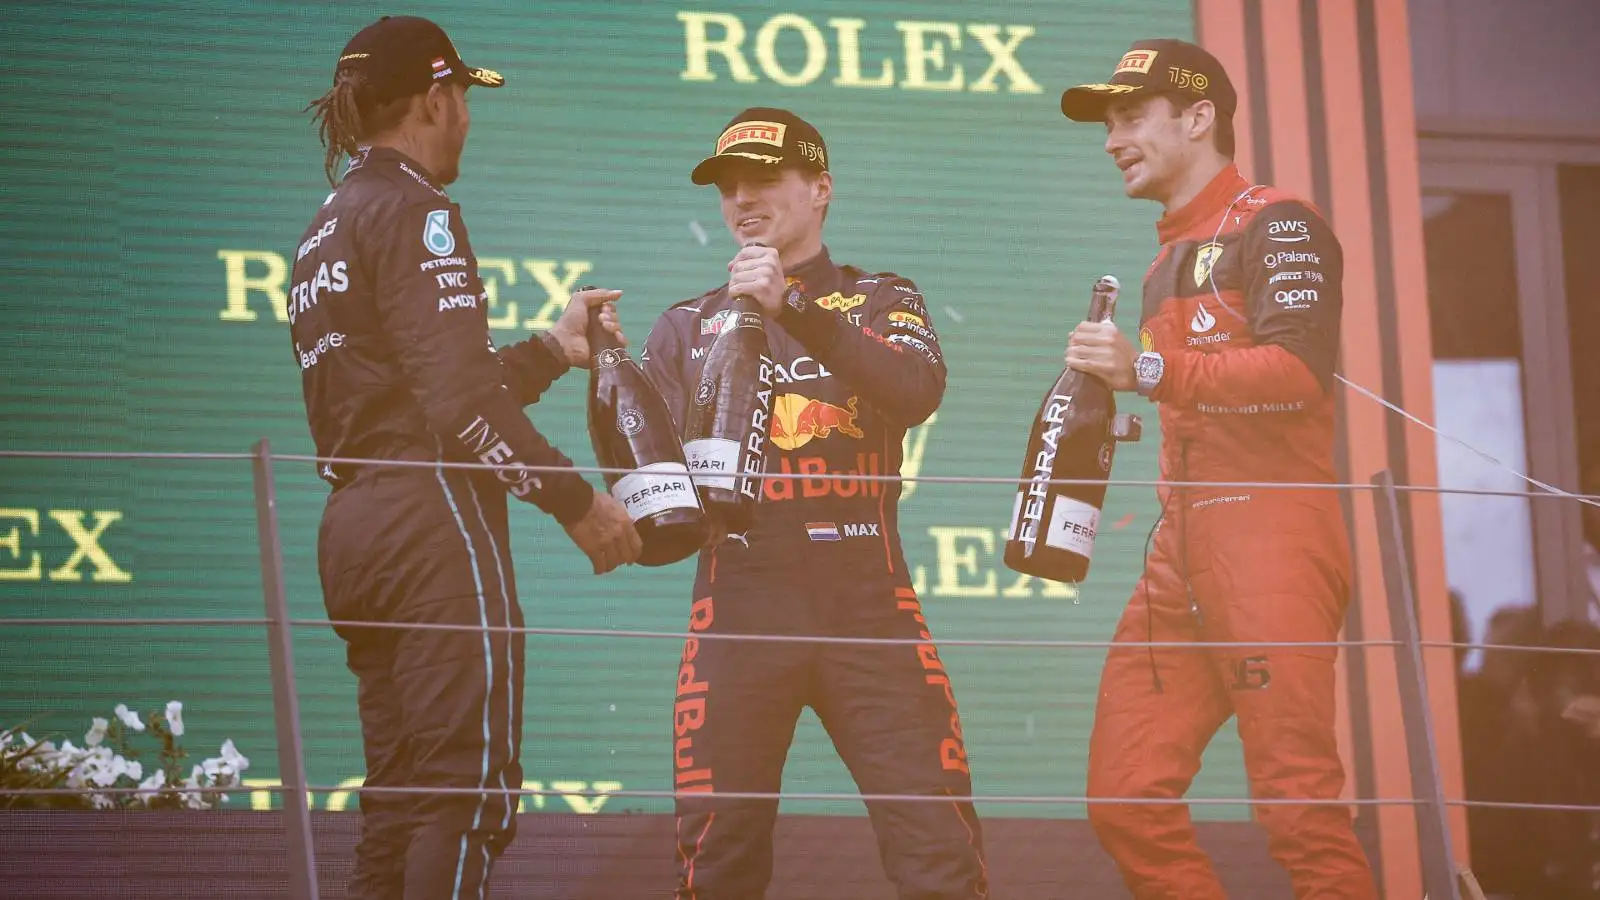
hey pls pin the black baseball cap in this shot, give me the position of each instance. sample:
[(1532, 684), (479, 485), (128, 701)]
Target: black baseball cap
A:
[(1160, 65), (766, 135), (402, 55)]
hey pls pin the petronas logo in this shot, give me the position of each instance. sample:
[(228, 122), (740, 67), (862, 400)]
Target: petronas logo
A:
[(436, 234)]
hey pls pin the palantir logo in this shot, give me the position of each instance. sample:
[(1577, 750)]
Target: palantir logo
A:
[(436, 235)]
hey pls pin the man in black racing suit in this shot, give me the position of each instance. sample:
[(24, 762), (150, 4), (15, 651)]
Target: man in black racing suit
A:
[(389, 323), (857, 362)]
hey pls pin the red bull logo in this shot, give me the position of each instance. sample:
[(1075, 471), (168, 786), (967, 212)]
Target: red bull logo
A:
[(819, 480), (797, 419)]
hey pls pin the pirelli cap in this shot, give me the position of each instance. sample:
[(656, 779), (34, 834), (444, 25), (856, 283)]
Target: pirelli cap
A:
[(1160, 65), (767, 135), (402, 55)]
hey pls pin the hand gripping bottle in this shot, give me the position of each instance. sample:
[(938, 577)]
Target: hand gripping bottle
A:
[(726, 424), (631, 428), (1053, 526)]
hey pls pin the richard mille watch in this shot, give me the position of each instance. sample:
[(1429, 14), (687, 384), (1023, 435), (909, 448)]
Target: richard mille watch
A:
[(1147, 370)]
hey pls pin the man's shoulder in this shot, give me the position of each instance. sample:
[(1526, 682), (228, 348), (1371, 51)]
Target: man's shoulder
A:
[(1268, 203), (861, 281), (694, 305)]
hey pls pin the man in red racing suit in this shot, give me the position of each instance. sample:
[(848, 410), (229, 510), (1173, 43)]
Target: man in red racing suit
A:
[(1240, 330)]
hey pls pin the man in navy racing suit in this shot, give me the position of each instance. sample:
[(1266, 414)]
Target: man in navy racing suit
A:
[(856, 362)]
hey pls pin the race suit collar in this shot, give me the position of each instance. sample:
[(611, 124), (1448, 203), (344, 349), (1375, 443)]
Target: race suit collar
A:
[(815, 274), (380, 156), (1201, 212)]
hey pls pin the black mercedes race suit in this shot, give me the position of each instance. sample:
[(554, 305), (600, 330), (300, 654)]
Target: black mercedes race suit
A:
[(856, 363), (390, 330)]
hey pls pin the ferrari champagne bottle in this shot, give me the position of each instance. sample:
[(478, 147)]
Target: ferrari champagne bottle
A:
[(725, 427), (631, 428), (1053, 526)]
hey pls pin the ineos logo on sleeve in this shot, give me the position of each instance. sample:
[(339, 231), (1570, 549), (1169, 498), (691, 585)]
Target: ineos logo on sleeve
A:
[(436, 234)]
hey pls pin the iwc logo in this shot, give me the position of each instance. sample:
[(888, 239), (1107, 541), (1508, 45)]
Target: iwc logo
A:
[(630, 422), (703, 395), (610, 358)]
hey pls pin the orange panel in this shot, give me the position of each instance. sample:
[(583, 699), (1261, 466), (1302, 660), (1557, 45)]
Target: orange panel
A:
[(1286, 97), (1351, 211), (1411, 288), (1220, 29)]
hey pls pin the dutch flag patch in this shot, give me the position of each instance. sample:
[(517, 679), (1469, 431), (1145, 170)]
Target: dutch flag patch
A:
[(822, 531)]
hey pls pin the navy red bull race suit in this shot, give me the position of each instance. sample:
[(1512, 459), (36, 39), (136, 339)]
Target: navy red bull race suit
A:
[(1243, 304), (856, 362)]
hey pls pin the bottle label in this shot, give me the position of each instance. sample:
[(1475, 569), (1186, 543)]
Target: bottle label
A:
[(713, 461), (1073, 524), (655, 488)]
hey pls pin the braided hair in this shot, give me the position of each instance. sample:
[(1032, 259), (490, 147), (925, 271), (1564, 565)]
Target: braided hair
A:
[(349, 113)]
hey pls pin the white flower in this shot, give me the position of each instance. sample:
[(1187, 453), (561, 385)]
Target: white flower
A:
[(101, 801), (150, 788), (175, 718), (129, 717), (238, 761), (97, 733)]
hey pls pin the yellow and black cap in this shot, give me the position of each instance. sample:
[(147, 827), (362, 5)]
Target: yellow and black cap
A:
[(403, 55), (765, 135), (1154, 66)]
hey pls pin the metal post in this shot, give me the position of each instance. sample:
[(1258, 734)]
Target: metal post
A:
[(1433, 823), (285, 701)]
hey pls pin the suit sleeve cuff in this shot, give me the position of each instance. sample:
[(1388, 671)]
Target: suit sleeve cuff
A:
[(550, 348), (568, 497)]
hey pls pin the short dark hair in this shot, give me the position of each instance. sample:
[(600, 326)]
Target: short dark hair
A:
[(1222, 136), (351, 112)]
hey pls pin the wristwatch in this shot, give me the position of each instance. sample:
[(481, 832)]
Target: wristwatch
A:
[(1148, 368)]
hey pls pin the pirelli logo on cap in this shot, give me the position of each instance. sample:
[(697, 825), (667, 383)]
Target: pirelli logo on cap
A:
[(752, 133), (1136, 61)]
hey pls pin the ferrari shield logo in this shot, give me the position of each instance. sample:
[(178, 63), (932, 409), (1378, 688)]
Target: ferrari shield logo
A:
[(1204, 259)]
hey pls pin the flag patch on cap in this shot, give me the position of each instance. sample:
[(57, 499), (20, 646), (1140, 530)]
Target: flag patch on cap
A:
[(822, 531)]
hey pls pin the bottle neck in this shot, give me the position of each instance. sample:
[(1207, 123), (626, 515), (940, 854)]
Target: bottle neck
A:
[(1102, 307), (600, 338)]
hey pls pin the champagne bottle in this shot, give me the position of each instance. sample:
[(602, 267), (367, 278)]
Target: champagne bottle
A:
[(725, 427), (1053, 527), (631, 428)]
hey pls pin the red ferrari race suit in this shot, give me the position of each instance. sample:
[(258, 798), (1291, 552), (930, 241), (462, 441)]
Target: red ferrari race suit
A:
[(855, 363), (1242, 304)]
